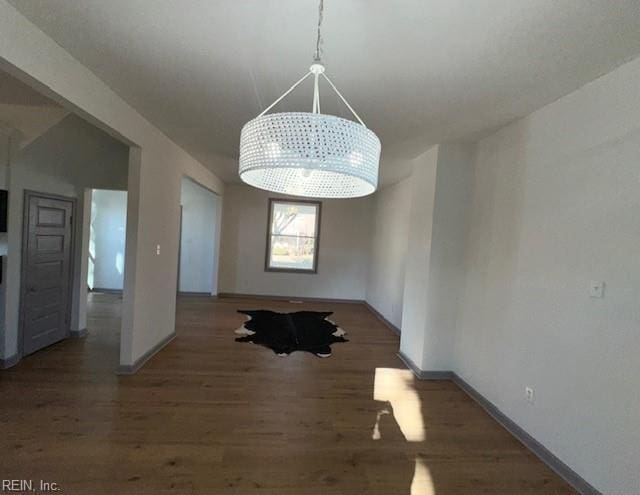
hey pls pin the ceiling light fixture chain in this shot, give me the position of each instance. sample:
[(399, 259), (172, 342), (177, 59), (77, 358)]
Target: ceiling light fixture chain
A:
[(318, 55)]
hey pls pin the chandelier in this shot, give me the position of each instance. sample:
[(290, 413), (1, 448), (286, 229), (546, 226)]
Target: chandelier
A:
[(310, 153)]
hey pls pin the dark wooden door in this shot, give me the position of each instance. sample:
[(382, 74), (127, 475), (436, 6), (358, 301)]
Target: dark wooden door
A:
[(47, 269)]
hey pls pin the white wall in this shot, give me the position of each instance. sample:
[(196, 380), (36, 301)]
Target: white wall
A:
[(441, 182), (343, 252), (69, 157), (414, 311), (556, 204), (199, 238), (107, 242), (504, 239), (389, 243), (156, 167), (454, 179)]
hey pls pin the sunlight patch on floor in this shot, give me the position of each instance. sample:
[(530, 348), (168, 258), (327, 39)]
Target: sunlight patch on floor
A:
[(376, 429), (422, 484), (396, 387)]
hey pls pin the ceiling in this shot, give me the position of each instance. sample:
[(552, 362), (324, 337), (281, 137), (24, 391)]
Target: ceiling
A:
[(418, 72)]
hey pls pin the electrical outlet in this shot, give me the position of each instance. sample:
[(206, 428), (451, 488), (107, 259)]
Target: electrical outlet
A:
[(529, 394), (158, 250)]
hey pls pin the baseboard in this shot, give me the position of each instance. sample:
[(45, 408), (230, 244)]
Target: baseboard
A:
[(124, 369), (425, 374), (195, 294), (540, 451), (106, 291), (15, 359), (77, 334), (228, 295), (9, 362), (380, 317)]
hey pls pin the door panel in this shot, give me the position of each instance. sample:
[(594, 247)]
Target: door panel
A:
[(50, 244), (47, 269)]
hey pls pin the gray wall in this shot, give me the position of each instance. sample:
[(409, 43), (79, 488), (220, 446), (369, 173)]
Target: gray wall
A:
[(505, 238), (201, 216), (441, 183), (108, 238), (5, 151), (389, 244), (68, 158), (454, 182), (156, 166), (556, 204), (343, 254), (414, 310)]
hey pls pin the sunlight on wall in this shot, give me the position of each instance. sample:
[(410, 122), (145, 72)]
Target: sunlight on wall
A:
[(107, 238), (422, 484), (92, 247), (120, 263), (396, 387)]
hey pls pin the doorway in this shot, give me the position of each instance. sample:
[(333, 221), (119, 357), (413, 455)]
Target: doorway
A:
[(107, 240), (57, 157), (200, 216), (47, 270)]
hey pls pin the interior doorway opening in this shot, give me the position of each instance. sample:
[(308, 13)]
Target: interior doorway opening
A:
[(107, 241), (50, 160), (199, 240)]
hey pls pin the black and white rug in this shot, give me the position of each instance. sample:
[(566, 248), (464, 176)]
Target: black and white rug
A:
[(284, 333)]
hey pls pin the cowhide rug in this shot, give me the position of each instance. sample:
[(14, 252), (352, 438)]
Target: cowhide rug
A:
[(309, 331)]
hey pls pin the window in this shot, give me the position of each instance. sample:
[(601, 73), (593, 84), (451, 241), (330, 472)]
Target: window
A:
[(292, 238)]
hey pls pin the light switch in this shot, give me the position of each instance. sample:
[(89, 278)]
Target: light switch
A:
[(529, 394), (596, 289)]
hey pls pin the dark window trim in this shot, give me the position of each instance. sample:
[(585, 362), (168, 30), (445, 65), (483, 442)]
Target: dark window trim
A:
[(316, 251)]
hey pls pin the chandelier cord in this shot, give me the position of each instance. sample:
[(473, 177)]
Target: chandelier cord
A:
[(344, 100), (285, 94), (318, 55), (317, 70)]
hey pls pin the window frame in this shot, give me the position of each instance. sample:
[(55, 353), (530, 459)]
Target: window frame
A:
[(316, 251)]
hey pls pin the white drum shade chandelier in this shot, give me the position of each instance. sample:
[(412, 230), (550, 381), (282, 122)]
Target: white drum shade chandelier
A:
[(309, 153)]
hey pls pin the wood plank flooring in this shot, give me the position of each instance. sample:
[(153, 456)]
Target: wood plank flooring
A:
[(208, 415)]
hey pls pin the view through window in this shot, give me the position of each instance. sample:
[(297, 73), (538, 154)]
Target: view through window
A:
[(292, 243)]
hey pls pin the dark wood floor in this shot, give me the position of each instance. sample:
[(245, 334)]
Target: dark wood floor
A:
[(208, 415)]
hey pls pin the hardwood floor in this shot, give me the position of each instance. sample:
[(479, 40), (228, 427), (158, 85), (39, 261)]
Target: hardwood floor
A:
[(208, 415)]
